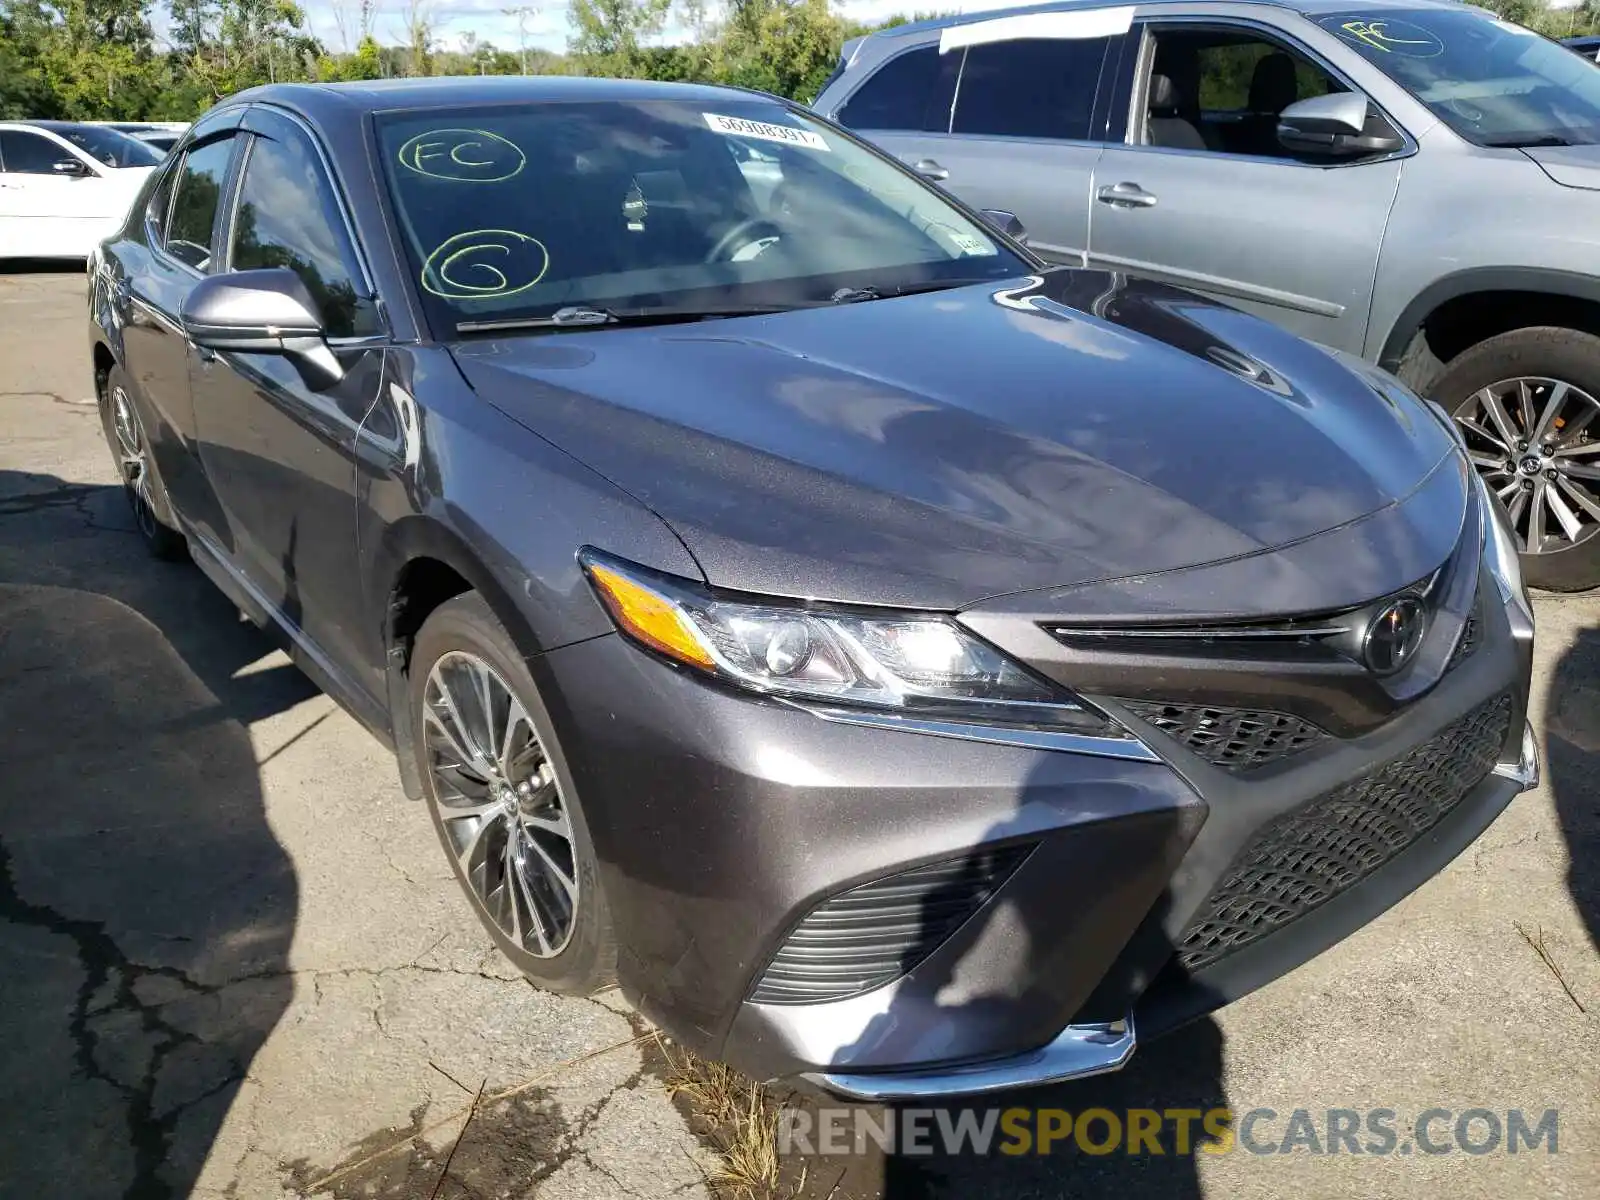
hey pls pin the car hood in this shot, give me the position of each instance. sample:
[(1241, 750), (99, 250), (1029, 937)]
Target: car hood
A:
[(934, 450), (1570, 166)]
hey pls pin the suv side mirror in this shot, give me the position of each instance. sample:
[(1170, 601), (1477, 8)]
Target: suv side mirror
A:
[(1339, 125), (267, 311), (1007, 223), (70, 167)]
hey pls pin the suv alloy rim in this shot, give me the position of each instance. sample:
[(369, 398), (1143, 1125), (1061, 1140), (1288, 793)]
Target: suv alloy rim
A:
[(1530, 438), (499, 803), (132, 461)]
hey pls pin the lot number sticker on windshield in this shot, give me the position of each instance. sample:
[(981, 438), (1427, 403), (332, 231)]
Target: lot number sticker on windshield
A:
[(739, 127)]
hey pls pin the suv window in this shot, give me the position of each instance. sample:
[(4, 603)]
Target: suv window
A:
[(1031, 87), (194, 207), (288, 216), (912, 91), (28, 153), (1222, 90)]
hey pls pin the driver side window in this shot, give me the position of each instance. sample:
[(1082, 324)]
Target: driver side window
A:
[(30, 154), (1222, 90)]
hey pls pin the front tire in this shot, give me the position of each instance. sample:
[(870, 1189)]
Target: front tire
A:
[(503, 800), (130, 448), (1528, 404)]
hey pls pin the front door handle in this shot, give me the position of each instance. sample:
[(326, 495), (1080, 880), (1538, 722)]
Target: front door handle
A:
[(1125, 195), (930, 170)]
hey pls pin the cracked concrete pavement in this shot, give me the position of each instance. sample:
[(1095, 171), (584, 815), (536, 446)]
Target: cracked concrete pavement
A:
[(233, 962)]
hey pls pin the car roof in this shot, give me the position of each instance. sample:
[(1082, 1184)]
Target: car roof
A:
[(336, 100), (1308, 7)]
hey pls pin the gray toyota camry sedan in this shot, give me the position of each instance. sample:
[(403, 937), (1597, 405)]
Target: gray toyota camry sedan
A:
[(892, 661)]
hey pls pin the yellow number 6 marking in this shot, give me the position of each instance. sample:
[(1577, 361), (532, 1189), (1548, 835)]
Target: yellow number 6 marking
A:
[(460, 268)]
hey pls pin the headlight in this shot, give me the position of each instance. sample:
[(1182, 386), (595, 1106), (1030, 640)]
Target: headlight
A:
[(911, 664)]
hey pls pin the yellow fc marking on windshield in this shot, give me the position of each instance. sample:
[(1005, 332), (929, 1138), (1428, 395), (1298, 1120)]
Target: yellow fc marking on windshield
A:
[(463, 156)]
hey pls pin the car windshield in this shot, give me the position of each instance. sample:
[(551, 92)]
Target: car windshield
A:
[(108, 146), (1494, 83), (730, 203)]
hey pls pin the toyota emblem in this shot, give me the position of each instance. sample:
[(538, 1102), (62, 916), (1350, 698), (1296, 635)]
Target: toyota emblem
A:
[(1394, 635)]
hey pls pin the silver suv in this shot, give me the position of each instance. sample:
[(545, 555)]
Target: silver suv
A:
[(1410, 182)]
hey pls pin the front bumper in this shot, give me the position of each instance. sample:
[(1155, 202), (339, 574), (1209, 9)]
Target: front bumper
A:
[(722, 820)]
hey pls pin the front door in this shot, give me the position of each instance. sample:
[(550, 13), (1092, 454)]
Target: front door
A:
[(1201, 194), (280, 452)]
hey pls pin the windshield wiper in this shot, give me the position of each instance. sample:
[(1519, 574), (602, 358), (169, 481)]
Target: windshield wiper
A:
[(856, 295), (1528, 143), (579, 316)]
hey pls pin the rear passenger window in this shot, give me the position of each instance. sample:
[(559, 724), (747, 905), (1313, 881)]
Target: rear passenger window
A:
[(910, 92), (1032, 88), (194, 207)]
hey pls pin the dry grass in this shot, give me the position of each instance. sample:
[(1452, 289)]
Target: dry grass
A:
[(744, 1120)]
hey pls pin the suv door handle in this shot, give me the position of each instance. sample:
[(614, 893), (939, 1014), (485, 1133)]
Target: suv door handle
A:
[(1125, 195), (929, 169)]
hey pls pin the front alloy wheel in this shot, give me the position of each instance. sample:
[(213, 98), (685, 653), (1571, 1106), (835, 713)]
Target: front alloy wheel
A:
[(500, 804), (503, 800), (1530, 439)]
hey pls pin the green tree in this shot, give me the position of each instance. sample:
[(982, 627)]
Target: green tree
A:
[(608, 35)]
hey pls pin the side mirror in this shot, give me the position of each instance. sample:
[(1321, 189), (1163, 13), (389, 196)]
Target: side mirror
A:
[(1340, 125), (70, 167), (1007, 223), (269, 311)]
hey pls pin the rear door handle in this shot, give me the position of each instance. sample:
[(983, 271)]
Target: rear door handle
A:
[(1125, 195), (929, 169)]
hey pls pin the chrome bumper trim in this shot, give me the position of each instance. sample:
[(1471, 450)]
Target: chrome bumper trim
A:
[(999, 735), (1525, 770), (1077, 1052)]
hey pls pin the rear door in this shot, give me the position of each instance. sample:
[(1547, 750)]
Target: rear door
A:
[(1200, 193), (1003, 122), (179, 229), (280, 453)]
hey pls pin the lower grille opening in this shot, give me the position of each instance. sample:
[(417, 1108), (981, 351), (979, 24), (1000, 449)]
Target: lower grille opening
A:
[(1307, 857), (873, 934)]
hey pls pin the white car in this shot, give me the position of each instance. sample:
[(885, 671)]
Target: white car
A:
[(65, 185)]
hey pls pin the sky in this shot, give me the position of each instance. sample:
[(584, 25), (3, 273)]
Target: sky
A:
[(547, 26)]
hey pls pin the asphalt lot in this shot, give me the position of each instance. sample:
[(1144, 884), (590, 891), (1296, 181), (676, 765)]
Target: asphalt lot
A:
[(233, 961)]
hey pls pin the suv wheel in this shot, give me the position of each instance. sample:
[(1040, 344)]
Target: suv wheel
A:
[(1528, 403), (503, 801), (136, 466)]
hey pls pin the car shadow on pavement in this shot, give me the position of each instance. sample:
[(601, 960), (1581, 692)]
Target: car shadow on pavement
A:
[(1573, 768), (146, 908)]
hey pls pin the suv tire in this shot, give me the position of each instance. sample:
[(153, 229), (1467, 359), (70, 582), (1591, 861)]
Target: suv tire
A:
[(1542, 356)]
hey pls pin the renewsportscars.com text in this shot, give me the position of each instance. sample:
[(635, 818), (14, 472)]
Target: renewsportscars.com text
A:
[(1149, 1131)]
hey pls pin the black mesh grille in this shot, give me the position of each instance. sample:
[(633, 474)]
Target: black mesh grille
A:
[(1230, 737), (875, 933), (1311, 855)]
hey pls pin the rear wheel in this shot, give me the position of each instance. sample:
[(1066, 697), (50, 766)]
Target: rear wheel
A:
[(503, 801), (1528, 404), (131, 448)]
